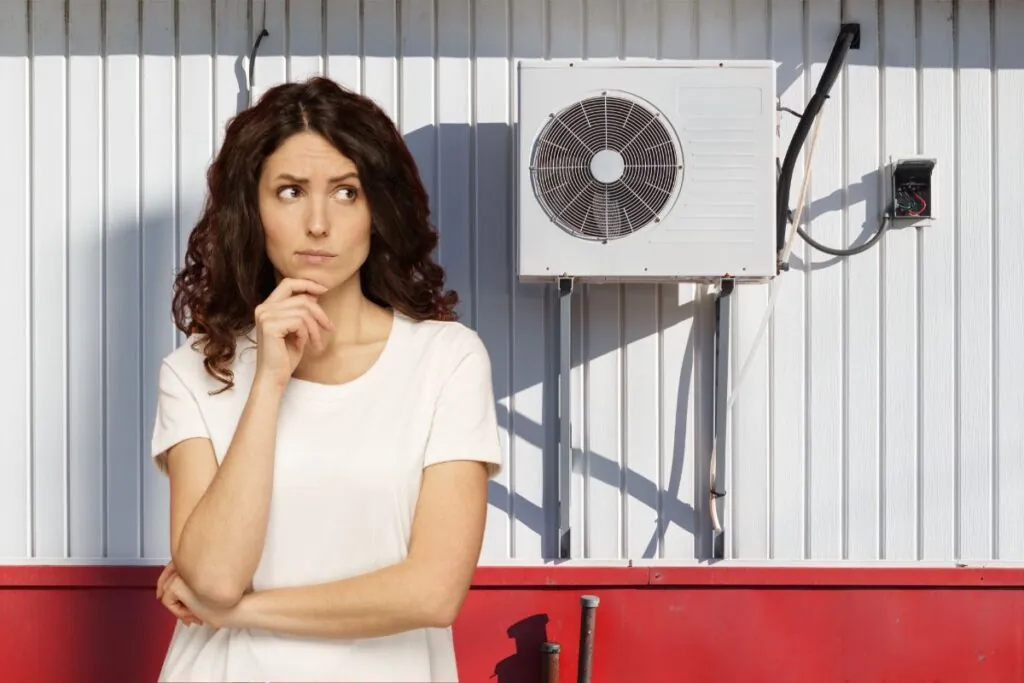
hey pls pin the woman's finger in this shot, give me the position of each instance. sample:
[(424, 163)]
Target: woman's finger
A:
[(169, 598), (315, 332), (296, 322), (178, 609), (166, 575), (302, 302), (289, 287), (280, 324), (314, 308), (175, 606)]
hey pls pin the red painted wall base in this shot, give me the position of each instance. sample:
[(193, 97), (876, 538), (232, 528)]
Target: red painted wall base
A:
[(85, 624)]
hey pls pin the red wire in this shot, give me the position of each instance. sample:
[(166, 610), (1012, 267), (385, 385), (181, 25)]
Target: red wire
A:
[(924, 205)]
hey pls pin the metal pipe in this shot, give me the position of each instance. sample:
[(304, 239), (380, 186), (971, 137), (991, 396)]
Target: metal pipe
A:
[(588, 618), (564, 417), (549, 662), (716, 473)]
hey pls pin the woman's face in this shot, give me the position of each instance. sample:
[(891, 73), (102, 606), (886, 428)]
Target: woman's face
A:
[(315, 216)]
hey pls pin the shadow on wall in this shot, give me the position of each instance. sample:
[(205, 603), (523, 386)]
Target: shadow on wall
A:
[(525, 663)]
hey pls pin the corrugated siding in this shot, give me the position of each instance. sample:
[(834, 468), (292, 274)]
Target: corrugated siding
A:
[(881, 418)]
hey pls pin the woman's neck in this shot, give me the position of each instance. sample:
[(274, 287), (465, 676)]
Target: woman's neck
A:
[(356, 319)]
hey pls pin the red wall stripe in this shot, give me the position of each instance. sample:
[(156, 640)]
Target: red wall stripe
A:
[(745, 624), (104, 576)]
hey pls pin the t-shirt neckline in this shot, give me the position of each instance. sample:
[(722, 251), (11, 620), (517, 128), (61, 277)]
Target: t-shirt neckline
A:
[(309, 390)]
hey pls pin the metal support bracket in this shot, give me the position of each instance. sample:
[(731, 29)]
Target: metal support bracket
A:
[(565, 286), (723, 329)]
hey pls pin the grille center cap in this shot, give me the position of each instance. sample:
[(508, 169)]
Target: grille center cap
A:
[(607, 166)]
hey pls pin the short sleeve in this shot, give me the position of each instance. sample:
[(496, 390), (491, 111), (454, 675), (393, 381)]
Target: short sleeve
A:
[(178, 416), (465, 425)]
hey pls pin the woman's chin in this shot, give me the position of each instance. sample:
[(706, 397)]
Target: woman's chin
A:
[(324, 278), (324, 274)]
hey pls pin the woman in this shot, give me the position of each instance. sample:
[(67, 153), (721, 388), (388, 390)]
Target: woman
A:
[(328, 430)]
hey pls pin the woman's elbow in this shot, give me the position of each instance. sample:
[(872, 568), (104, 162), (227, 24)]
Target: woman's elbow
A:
[(217, 591), (445, 609), (213, 589), (220, 595)]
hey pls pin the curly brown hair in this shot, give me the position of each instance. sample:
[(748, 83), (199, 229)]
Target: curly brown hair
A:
[(227, 272)]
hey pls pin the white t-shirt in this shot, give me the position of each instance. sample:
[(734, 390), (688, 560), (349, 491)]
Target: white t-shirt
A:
[(347, 472)]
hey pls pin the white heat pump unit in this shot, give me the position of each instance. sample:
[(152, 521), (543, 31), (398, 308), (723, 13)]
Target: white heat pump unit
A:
[(646, 170)]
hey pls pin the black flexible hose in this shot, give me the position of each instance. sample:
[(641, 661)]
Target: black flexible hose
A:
[(252, 60), (851, 251), (849, 35)]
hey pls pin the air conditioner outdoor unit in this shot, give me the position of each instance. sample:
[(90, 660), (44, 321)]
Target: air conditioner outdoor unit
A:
[(647, 170)]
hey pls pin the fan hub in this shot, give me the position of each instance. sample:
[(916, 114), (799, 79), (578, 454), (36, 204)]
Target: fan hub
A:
[(607, 166)]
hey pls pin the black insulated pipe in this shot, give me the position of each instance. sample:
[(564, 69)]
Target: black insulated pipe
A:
[(849, 38)]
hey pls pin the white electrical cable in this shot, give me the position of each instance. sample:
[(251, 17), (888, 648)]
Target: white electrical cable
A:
[(775, 287)]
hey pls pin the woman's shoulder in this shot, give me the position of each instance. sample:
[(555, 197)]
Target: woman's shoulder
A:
[(449, 339), (188, 361)]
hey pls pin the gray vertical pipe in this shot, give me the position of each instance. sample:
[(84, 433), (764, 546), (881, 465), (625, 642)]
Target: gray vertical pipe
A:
[(564, 416), (723, 335)]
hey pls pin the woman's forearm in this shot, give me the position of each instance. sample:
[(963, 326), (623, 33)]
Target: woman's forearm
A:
[(391, 600), (222, 541)]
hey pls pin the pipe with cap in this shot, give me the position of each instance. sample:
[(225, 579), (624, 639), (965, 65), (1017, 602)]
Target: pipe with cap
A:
[(549, 662), (588, 618)]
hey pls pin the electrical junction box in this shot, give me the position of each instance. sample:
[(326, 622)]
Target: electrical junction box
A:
[(912, 189)]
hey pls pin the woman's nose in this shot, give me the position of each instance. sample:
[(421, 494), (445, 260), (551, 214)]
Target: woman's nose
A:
[(317, 222)]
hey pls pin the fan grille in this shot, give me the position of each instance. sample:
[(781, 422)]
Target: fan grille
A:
[(605, 167)]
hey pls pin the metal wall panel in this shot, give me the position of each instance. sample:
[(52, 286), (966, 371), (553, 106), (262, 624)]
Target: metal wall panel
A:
[(879, 419)]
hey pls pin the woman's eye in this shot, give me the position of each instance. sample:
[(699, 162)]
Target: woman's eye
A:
[(288, 192), (347, 193)]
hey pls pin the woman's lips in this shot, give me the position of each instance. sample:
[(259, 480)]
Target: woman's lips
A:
[(315, 258)]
